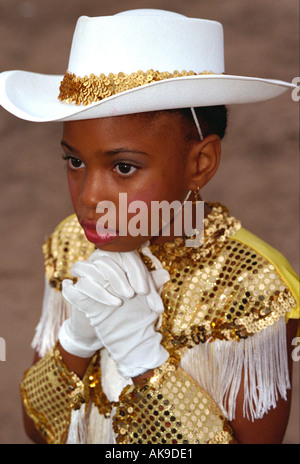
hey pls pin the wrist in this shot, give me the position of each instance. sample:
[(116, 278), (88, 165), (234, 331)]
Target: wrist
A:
[(146, 375), (76, 341), (74, 363)]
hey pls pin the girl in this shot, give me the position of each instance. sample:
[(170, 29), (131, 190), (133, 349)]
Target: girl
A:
[(143, 338)]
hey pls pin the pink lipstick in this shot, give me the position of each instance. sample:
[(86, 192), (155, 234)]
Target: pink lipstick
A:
[(98, 236)]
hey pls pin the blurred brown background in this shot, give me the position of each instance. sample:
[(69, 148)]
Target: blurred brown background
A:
[(258, 178)]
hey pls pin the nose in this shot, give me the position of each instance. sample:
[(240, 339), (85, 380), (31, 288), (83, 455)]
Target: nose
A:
[(92, 190)]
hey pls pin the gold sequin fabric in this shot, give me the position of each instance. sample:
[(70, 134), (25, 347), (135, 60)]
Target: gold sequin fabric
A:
[(93, 387), (49, 393), (223, 290), (174, 411), (66, 245), (88, 89)]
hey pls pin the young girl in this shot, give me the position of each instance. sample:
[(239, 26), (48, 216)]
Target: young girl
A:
[(152, 337)]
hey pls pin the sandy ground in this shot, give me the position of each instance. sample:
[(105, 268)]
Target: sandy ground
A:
[(258, 178)]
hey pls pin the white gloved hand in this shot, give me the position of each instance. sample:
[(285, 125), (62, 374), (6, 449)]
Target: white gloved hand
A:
[(127, 330), (123, 271), (77, 336)]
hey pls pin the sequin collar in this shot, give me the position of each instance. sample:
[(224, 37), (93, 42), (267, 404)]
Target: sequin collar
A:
[(218, 226)]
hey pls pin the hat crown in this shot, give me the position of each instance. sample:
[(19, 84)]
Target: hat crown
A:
[(143, 40)]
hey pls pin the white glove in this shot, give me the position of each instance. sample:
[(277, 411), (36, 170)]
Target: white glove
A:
[(123, 271), (127, 330), (77, 336)]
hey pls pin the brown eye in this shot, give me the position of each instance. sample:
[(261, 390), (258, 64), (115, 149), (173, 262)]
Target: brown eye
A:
[(125, 169), (73, 163)]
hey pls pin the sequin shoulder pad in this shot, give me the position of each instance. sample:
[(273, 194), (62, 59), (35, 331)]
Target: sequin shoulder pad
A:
[(224, 290), (66, 245)]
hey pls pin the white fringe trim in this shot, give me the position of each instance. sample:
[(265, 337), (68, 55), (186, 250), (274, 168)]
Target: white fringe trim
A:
[(77, 434), (218, 368), (89, 427), (54, 311), (98, 427), (112, 381)]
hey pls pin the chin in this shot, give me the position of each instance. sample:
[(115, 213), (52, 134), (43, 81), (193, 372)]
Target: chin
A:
[(123, 245)]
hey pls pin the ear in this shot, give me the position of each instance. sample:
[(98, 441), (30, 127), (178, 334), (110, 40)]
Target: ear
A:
[(204, 160)]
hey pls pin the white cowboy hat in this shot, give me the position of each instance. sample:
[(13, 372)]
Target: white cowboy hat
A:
[(133, 62)]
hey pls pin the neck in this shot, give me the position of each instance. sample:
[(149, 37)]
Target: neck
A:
[(160, 239)]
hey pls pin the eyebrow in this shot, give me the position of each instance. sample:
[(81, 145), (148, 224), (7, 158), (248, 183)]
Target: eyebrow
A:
[(114, 152), (125, 150), (66, 145)]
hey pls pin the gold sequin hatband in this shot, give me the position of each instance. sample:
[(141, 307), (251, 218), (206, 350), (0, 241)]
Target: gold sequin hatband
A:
[(89, 89)]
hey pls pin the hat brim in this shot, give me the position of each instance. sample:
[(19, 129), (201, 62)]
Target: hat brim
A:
[(34, 97)]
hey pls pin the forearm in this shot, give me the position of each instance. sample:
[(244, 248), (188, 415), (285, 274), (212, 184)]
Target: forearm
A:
[(30, 429)]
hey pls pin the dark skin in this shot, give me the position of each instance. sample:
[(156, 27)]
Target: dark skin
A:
[(149, 158)]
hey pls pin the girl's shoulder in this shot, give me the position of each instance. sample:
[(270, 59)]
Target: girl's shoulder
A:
[(270, 259)]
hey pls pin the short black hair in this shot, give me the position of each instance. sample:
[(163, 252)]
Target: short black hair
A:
[(212, 120)]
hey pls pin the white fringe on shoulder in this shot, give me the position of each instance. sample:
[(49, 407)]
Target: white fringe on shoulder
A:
[(262, 359), (54, 311)]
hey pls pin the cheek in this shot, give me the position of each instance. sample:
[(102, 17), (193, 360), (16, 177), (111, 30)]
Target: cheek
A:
[(165, 188), (148, 201), (149, 193), (73, 190)]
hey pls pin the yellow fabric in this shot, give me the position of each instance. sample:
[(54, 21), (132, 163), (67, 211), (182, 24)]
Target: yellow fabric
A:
[(279, 262)]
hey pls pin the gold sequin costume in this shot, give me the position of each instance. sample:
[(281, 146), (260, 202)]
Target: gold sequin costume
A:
[(224, 306)]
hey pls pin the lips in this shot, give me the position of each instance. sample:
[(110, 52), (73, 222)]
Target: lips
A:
[(97, 235)]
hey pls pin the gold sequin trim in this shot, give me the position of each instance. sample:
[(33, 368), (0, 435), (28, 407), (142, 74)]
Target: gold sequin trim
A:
[(173, 410), (94, 392), (66, 245), (218, 226), (50, 392), (88, 89)]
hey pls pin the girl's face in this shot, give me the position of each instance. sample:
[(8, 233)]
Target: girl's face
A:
[(142, 156)]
